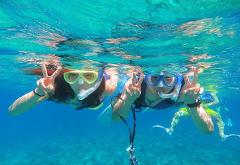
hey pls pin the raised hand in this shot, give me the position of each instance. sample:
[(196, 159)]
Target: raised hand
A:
[(133, 86), (191, 88), (45, 86)]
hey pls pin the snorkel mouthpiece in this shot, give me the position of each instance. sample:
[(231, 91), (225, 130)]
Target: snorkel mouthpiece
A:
[(84, 93), (165, 96)]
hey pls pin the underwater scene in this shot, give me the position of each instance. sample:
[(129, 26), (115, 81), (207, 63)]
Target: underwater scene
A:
[(187, 51)]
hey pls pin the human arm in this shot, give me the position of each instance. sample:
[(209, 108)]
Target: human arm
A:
[(189, 95), (45, 87), (132, 91), (25, 103)]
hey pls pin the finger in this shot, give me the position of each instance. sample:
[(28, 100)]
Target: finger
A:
[(50, 89), (141, 77), (197, 86), (195, 76), (47, 81), (187, 80), (137, 92), (139, 82), (41, 84), (197, 89), (130, 87), (191, 78), (134, 79), (129, 92), (191, 89), (189, 92), (44, 70), (57, 72), (134, 89)]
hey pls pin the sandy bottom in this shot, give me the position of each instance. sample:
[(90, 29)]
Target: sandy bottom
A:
[(111, 150)]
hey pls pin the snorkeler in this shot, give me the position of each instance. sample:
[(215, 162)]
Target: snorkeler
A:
[(165, 90), (186, 112), (84, 88), (158, 92)]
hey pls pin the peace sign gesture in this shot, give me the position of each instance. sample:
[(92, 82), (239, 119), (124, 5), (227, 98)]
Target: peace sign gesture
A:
[(133, 86), (45, 86), (191, 88)]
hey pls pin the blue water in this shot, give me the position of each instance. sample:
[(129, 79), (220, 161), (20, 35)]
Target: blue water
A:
[(153, 34)]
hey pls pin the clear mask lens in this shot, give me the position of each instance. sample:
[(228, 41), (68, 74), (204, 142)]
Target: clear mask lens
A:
[(169, 80), (71, 77), (162, 80), (89, 77)]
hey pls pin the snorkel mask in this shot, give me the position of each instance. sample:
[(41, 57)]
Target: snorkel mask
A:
[(84, 76), (166, 80)]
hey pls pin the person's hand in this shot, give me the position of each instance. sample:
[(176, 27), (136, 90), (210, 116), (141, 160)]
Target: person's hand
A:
[(133, 86), (45, 86), (191, 88)]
